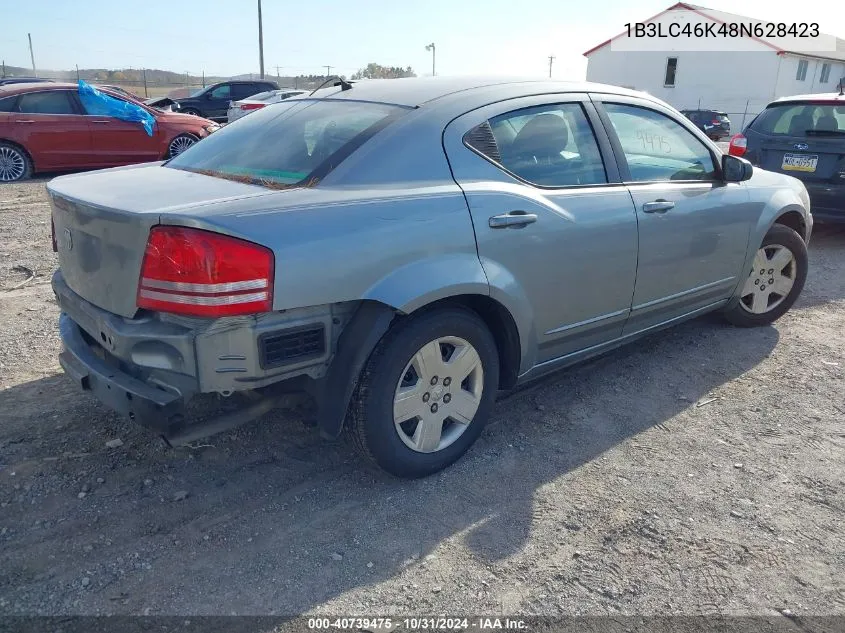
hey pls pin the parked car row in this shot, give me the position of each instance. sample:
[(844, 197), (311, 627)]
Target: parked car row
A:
[(44, 127), (213, 101)]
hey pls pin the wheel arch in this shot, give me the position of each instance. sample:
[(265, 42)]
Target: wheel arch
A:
[(793, 219), (501, 324)]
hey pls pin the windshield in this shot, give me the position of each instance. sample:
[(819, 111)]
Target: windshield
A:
[(287, 144), (197, 93), (802, 119)]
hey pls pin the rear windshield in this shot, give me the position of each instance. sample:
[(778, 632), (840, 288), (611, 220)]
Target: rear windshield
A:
[(802, 119), (265, 96), (291, 143)]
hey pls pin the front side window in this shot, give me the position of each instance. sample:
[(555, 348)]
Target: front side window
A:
[(52, 102), (222, 92), (8, 104), (671, 71), (550, 145), (290, 144), (657, 148), (824, 76), (801, 75)]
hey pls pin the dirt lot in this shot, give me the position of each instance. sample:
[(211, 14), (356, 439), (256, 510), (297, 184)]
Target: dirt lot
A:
[(698, 471)]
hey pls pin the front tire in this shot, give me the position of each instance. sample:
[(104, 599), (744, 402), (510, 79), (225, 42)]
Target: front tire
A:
[(425, 393), (180, 143), (776, 279), (15, 164)]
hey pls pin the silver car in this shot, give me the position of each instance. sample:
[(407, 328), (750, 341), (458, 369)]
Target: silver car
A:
[(406, 249), (241, 108)]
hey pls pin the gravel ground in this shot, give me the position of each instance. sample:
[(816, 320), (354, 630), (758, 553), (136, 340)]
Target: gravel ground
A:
[(698, 471)]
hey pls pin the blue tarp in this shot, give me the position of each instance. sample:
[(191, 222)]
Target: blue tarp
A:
[(101, 104)]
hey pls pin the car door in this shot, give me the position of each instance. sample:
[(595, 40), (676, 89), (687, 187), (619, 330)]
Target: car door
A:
[(693, 226), (554, 225), (50, 126), (217, 101), (117, 142)]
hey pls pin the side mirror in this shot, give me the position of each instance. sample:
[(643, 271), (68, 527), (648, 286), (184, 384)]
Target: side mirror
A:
[(735, 169)]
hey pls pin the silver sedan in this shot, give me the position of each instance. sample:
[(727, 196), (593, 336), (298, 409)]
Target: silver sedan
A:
[(406, 249)]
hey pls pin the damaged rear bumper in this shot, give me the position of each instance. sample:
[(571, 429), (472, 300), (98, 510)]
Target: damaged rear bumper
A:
[(128, 396)]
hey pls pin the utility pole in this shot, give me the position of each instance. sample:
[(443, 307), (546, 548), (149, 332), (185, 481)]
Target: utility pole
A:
[(328, 71), (146, 94), (278, 76), (203, 79), (187, 79), (551, 59), (260, 41), (77, 72), (31, 54), (430, 47), (4, 68)]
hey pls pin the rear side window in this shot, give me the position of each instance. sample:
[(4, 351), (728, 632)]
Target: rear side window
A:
[(52, 102), (657, 148), (550, 145), (290, 144), (801, 119), (242, 91)]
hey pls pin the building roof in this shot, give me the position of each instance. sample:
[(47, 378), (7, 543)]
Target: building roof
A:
[(723, 17)]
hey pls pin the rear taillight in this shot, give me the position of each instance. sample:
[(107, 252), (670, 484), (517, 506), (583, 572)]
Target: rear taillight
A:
[(738, 145), (200, 273), (53, 235), (251, 106), (716, 122)]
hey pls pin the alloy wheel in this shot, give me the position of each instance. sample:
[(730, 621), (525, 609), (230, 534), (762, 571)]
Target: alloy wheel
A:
[(12, 164), (772, 278), (438, 394), (180, 144)]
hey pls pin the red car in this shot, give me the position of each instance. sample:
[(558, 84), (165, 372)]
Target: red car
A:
[(44, 127)]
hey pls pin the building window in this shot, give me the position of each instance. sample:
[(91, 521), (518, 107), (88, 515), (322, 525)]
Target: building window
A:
[(671, 71), (801, 75), (825, 74)]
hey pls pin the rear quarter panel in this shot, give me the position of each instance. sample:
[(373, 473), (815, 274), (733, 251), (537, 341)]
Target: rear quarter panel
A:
[(404, 247)]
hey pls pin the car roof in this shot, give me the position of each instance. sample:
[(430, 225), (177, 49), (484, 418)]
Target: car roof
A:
[(417, 91), (820, 96), (12, 89)]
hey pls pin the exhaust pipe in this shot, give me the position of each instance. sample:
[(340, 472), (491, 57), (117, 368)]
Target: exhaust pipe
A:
[(184, 435)]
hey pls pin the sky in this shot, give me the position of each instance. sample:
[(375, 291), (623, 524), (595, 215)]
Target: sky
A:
[(471, 37)]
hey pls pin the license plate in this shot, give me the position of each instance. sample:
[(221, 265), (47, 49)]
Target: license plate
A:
[(799, 162)]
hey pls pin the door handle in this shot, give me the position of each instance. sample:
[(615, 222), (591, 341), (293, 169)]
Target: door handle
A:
[(514, 218), (24, 121), (99, 121), (658, 206)]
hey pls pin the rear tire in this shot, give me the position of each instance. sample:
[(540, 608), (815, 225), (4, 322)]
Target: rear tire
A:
[(15, 164), (400, 417), (775, 281)]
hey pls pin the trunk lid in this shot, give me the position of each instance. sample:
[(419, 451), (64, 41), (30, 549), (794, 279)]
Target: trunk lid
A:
[(809, 158), (102, 221)]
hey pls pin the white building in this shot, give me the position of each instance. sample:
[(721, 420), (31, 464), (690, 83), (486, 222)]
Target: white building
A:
[(697, 72)]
